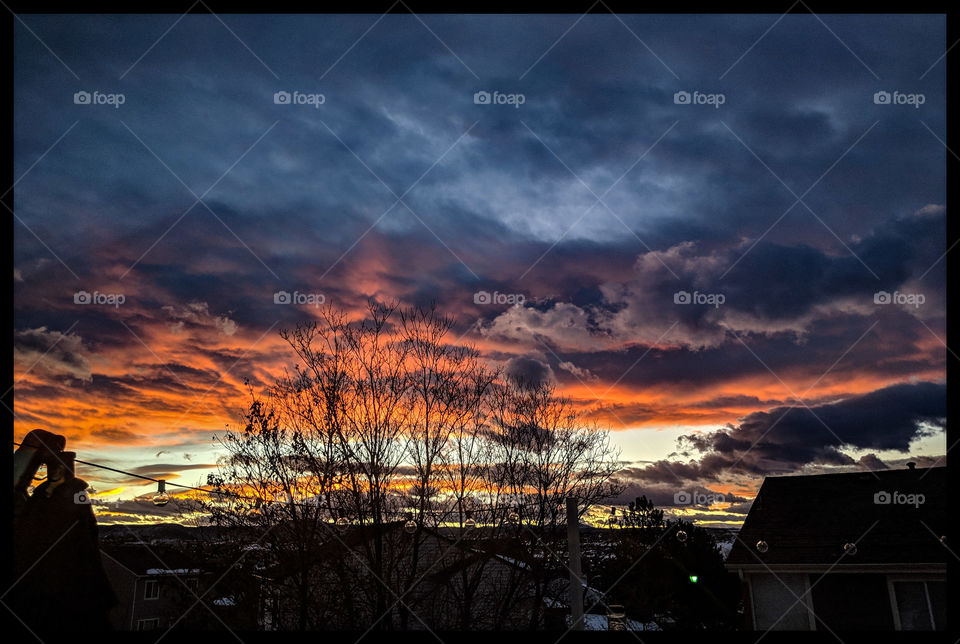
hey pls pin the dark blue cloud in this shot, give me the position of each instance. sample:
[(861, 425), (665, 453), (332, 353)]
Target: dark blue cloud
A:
[(495, 198), (792, 436)]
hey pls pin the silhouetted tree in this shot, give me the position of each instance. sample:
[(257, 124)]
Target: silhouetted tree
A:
[(669, 572), (642, 514), (542, 452), (385, 418)]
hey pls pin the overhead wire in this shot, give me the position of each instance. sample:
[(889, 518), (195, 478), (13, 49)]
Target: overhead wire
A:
[(220, 493)]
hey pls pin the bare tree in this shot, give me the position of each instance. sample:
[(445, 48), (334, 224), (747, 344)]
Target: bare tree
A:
[(386, 416), (359, 382), (265, 486), (447, 387), (544, 453)]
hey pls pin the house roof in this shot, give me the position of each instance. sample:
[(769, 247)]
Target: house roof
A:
[(152, 560), (806, 520), (334, 540), (478, 548), (434, 543)]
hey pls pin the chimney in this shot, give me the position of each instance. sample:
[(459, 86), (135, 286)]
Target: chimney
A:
[(911, 465)]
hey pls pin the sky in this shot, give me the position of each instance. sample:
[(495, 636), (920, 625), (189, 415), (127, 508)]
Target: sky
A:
[(722, 236)]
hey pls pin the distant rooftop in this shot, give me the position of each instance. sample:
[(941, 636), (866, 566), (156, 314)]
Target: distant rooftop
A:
[(151, 560)]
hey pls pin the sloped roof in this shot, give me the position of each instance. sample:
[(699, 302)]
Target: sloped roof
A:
[(433, 545), (151, 559), (808, 519), (335, 539)]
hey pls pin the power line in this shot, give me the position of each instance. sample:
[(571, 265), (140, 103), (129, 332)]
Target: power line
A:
[(166, 482), (220, 493), (139, 476)]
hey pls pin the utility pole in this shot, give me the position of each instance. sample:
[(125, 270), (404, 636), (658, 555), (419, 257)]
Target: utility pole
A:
[(573, 547)]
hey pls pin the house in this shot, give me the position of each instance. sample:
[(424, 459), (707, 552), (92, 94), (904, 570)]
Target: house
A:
[(154, 586), (475, 582), (852, 551)]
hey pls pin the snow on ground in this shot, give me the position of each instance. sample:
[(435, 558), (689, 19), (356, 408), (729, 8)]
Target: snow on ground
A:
[(594, 622)]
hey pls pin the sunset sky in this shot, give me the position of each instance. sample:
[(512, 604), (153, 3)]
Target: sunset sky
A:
[(781, 171)]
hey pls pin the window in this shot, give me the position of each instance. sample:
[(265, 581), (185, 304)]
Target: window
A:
[(780, 602), (151, 589), (919, 604), (851, 601), (148, 624)]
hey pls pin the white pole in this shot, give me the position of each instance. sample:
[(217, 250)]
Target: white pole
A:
[(576, 585)]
